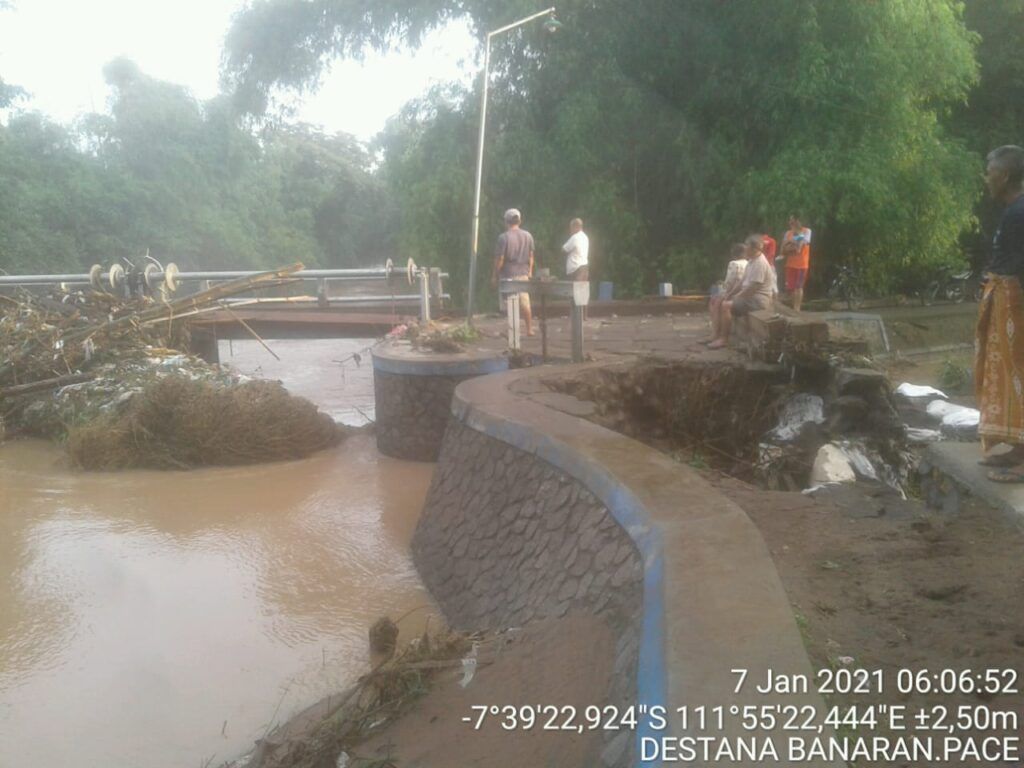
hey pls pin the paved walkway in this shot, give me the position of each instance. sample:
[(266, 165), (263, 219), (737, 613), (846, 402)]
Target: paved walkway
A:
[(673, 336)]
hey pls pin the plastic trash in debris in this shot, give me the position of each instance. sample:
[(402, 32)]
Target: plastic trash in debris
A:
[(815, 488), (343, 760), (800, 409), (468, 667), (858, 460), (920, 435), (918, 390), (845, 660)]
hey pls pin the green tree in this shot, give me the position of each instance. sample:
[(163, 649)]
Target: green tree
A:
[(187, 181), (672, 128)]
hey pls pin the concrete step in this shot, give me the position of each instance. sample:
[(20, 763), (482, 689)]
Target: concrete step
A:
[(958, 462)]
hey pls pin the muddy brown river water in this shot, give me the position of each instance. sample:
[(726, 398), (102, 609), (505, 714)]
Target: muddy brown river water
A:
[(155, 619)]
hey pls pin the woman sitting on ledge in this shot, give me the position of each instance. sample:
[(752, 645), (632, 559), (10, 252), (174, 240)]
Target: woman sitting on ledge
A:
[(733, 275), (753, 292)]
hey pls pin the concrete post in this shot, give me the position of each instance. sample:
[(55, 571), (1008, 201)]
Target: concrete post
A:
[(203, 344), (580, 300), (512, 305), (424, 297)]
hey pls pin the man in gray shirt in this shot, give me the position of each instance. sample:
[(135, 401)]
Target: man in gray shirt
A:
[(513, 260)]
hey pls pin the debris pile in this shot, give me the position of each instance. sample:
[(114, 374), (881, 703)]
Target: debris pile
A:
[(111, 376), (329, 732), (816, 422), (177, 422), (436, 337)]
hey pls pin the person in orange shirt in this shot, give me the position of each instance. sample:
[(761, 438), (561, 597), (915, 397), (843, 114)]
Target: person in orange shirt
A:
[(796, 249)]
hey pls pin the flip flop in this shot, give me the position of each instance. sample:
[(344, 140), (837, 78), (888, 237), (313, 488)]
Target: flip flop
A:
[(999, 460), (1007, 476)]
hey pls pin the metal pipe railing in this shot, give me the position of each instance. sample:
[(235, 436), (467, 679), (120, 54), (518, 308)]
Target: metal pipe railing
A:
[(368, 273), (167, 279)]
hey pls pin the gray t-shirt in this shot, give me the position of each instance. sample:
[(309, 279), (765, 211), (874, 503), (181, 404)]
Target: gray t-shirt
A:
[(515, 245)]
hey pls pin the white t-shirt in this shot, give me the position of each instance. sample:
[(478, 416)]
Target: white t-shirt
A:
[(734, 273), (576, 248)]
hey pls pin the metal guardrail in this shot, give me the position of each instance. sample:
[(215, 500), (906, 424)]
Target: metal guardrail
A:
[(157, 278), (578, 292)]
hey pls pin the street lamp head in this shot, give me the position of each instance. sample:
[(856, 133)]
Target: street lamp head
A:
[(552, 24)]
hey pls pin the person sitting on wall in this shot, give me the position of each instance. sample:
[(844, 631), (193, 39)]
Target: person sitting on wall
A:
[(733, 275), (753, 293)]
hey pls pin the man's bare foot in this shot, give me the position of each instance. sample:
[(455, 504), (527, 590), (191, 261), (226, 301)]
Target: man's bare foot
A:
[(719, 344)]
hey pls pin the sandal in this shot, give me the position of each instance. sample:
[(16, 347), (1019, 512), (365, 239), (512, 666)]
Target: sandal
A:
[(1007, 475)]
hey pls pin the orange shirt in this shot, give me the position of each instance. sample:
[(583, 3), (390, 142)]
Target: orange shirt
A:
[(802, 258)]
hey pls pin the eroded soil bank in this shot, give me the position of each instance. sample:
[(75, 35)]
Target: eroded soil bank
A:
[(876, 581)]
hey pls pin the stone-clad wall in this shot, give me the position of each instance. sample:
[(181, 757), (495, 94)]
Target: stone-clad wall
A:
[(506, 538), (412, 412)]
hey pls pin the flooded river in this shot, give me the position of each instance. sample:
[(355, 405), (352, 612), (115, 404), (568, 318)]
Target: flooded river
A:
[(152, 619)]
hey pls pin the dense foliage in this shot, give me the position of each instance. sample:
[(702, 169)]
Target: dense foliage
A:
[(185, 180), (672, 128)]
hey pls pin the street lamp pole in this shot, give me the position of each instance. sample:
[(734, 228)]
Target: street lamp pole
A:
[(480, 152)]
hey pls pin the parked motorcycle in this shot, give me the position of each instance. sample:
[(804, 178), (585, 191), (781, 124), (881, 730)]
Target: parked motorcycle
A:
[(846, 287), (952, 284)]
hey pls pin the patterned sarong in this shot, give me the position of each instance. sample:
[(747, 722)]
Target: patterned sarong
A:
[(999, 362)]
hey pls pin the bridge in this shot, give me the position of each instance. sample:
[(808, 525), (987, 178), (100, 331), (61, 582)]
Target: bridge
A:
[(346, 303)]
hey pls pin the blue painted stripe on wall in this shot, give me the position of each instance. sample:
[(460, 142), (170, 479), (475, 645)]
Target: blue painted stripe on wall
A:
[(439, 368), (652, 673)]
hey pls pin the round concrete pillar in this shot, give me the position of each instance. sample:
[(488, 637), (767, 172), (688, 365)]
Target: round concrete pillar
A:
[(412, 391)]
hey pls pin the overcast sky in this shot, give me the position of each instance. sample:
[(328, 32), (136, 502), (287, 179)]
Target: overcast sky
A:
[(56, 49)]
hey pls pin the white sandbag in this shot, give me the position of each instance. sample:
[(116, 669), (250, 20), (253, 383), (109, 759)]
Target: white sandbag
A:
[(966, 417), (939, 409), (831, 466), (918, 390)]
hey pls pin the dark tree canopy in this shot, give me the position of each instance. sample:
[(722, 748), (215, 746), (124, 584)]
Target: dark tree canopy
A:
[(672, 128)]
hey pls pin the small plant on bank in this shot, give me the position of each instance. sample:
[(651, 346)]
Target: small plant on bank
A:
[(954, 376)]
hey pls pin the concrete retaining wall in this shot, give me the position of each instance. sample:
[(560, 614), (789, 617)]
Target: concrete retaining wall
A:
[(413, 394), (506, 538), (535, 512)]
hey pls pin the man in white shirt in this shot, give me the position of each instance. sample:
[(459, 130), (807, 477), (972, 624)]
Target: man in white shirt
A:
[(577, 249), (754, 291)]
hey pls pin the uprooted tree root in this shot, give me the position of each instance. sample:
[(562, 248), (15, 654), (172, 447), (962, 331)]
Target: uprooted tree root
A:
[(339, 724), (180, 423)]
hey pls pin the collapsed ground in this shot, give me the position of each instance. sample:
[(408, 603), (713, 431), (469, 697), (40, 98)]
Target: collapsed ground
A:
[(876, 580)]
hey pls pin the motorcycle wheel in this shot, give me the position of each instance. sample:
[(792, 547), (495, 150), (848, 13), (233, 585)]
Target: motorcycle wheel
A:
[(853, 298), (956, 292)]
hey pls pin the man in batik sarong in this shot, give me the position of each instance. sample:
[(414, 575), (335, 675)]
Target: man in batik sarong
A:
[(999, 338)]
